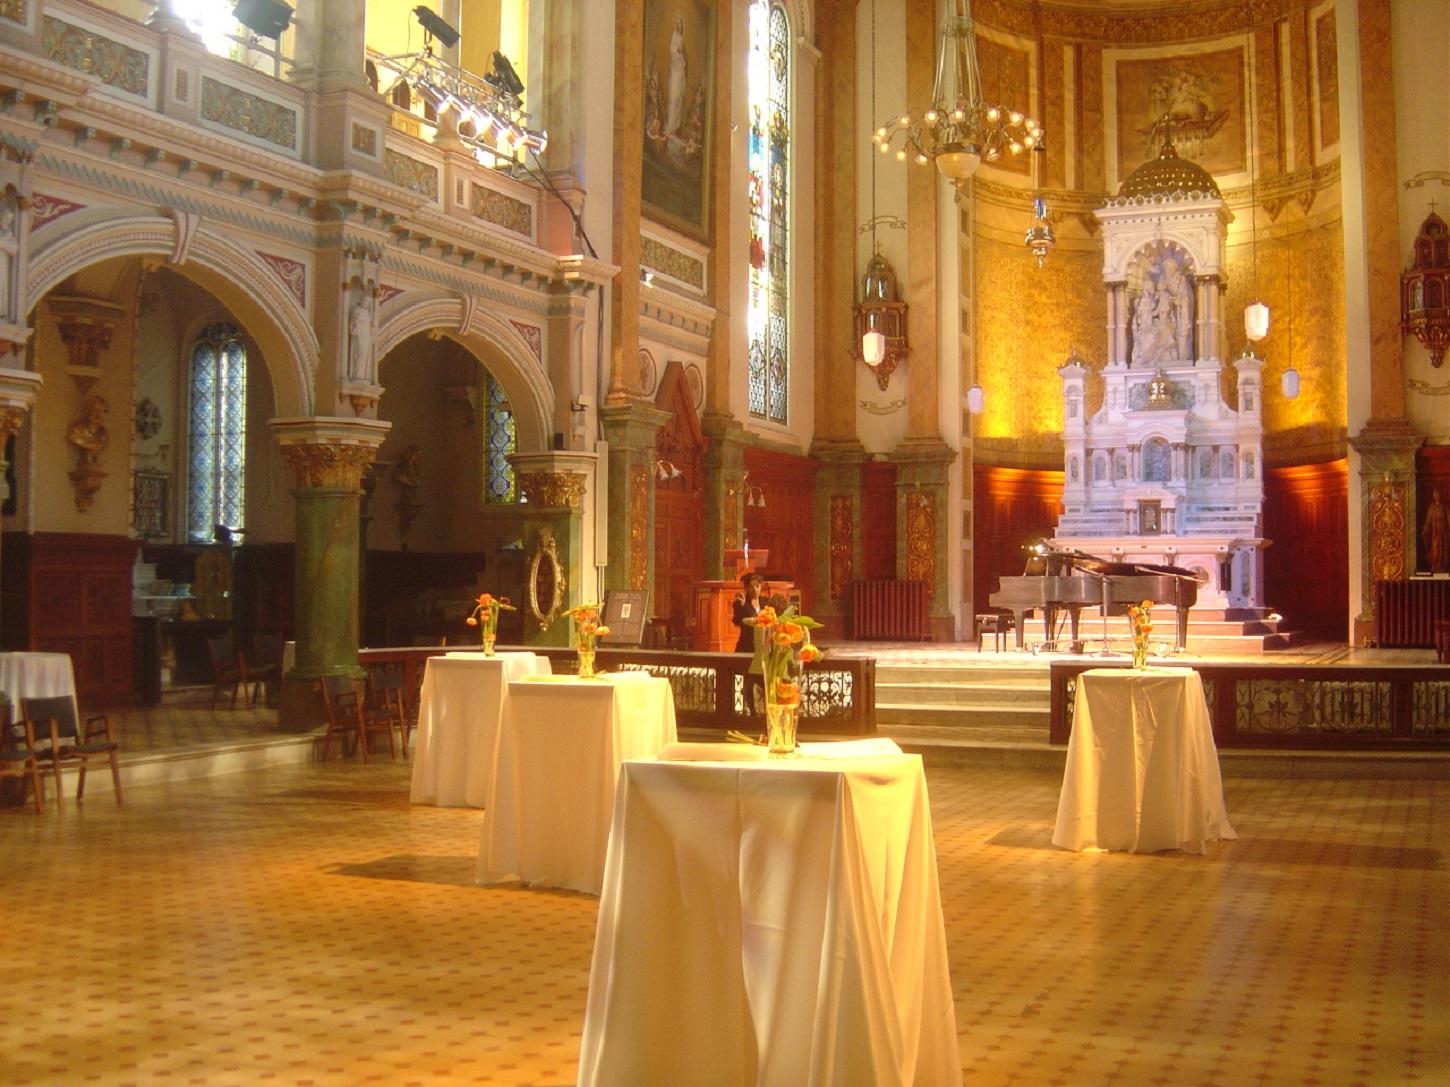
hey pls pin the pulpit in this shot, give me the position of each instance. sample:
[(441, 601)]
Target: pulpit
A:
[(715, 629)]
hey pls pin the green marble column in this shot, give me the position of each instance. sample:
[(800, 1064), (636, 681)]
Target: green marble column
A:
[(922, 510), (724, 525), (837, 523), (1388, 515), (630, 430), (18, 389)]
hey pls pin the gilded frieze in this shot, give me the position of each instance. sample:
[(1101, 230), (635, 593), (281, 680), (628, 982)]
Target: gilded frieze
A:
[(365, 140), (17, 11), (667, 260), (407, 173), (113, 63), (920, 537), (502, 210), (329, 465), (639, 527), (553, 490), (842, 537), (240, 111), (1387, 532)]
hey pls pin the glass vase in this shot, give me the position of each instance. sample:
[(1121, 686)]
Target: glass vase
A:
[(1140, 653), (586, 662), (780, 725), (488, 639)]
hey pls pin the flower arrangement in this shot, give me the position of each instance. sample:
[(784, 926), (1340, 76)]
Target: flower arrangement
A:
[(783, 643), (485, 617), (587, 630), (1140, 622)]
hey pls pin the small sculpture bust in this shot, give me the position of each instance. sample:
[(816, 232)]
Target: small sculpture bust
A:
[(88, 434)]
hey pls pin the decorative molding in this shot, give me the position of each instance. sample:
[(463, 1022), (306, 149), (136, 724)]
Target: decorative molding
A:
[(114, 63), (502, 210), (45, 208), (17, 11), (186, 224), (669, 261), (842, 542), (329, 465), (1387, 531), (920, 537), (411, 174), (248, 113), (695, 382), (293, 274), (553, 490), (387, 293), (365, 140), (648, 372), (639, 518), (533, 336)]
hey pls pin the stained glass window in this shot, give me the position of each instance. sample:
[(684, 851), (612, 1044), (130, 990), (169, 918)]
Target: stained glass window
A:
[(217, 428), (769, 76), (502, 439)]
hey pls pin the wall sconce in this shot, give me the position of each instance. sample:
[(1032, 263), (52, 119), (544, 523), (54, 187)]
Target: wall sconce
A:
[(880, 321), (1289, 383), (1425, 289), (666, 470), (976, 400), (754, 496)]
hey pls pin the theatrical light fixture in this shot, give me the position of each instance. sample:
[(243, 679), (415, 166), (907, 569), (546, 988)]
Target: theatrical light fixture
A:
[(959, 129), (269, 18), (434, 26), (504, 77)]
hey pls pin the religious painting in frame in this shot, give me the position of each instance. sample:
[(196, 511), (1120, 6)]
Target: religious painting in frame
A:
[(1006, 82), (679, 103), (1201, 95)]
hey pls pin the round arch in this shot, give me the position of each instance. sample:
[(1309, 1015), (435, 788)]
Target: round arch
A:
[(494, 343), (263, 305)]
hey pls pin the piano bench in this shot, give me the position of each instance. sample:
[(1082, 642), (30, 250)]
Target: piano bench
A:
[(997, 625)]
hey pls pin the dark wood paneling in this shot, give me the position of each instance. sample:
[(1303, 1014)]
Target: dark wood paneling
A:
[(71, 593), (785, 524), (1306, 568), (878, 521), (404, 587), (1013, 507)]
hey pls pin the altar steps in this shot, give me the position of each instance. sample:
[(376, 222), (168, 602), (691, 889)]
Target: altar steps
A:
[(990, 702)]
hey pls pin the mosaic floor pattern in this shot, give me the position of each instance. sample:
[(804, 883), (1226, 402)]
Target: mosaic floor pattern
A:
[(307, 926)]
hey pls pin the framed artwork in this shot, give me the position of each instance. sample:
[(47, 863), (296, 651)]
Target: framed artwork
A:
[(152, 505), (1150, 518), (625, 614), (679, 101), (1196, 98)]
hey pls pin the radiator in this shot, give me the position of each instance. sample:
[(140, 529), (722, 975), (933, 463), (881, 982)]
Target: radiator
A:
[(1405, 611), (889, 610)]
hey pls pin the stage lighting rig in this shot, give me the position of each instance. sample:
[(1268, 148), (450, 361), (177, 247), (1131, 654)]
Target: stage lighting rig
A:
[(434, 26)]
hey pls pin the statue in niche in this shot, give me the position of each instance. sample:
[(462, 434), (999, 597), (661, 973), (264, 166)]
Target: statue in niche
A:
[(1174, 287), (408, 477), (1227, 469), (1248, 466), (1072, 470), (1435, 535), (1163, 315), (1205, 464), (360, 339), (1155, 462), (1100, 468), (1120, 466)]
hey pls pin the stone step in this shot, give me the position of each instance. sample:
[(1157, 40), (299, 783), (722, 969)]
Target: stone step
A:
[(917, 694), (965, 717), (994, 671)]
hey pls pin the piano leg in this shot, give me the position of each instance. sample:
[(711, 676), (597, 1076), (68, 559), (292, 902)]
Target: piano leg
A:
[(1049, 624), (1020, 624), (1075, 611), (1182, 632)]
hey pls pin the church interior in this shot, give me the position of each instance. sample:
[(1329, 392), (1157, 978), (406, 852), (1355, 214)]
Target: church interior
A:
[(965, 324)]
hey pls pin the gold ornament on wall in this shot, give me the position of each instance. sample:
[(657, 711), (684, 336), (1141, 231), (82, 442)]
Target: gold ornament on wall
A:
[(553, 490), (89, 437), (545, 564), (1425, 289)]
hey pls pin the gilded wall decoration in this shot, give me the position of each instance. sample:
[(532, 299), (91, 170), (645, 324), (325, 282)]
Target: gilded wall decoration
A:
[(113, 63), (183, 85), (639, 527), (679, 83), (730, 515), (503, 210), (1386, 532), (842, 537), (920, 537), (695, 382), (46, 209), (407, 173), (17, 11), (11, 420), (553, 490), (1197, 99), (648, 372), (329, 465), (242, 112), (365, 140), (533, 336), (1006, 81), (1326, 70), (291, 272), (667, 260)]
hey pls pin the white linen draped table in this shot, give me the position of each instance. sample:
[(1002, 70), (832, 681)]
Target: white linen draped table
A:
[(36, 675), (459, 711), (560, 745), (1142, 769), (774, 922)]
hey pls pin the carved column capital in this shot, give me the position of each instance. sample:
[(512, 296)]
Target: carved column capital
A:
[(329, 453), (86, 326), (553, 490)]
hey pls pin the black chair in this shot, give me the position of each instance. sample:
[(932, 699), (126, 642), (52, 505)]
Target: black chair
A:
[(60, 741), (17, 753), (229, 670), (387, 700), (347, 715)]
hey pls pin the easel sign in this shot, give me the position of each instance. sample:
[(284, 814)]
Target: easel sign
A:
[(625, 613)]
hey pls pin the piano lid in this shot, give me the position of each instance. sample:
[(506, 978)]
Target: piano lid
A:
[(1093, 564)]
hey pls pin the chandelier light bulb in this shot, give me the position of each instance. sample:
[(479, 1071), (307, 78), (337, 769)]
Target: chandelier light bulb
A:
[(904, 120), (1015, 147), (976, 400), (1256, 321), (994, 114), (958, 116), (931, 116), (1029, 140), (1014, 117), (873, 348), (921, 160), (901, 155)]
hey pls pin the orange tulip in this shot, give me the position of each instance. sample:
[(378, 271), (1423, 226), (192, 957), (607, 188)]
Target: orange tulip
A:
[(602, 631), (485, 599), (787, 692), (765, 617), (810, 653), (471, 621)]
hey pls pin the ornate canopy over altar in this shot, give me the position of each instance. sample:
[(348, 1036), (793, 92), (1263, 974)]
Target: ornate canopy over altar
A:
[(1168, 469)]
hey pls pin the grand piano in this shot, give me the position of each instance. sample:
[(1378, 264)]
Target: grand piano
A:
[(1072, 580)]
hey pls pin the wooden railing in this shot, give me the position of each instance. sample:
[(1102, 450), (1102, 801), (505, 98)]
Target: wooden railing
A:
[(1330, 707), (838, 697)]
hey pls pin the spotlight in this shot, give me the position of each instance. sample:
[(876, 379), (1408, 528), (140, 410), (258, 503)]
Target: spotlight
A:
[(269, 18), (507, 78), (434, 25)]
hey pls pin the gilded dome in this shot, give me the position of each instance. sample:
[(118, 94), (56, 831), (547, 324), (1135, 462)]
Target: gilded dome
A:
[(1166, 175)]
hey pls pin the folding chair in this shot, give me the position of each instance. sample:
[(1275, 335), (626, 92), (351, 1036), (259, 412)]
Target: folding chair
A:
[(54, 720)]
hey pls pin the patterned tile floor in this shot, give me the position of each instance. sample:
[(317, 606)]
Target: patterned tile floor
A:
[(307, 926)]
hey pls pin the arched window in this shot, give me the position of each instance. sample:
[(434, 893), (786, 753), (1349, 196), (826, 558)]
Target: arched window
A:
[(770, 129), (502, 439), (217, 432)]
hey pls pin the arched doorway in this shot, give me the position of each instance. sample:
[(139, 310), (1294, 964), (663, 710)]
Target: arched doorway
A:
[(679, 501)]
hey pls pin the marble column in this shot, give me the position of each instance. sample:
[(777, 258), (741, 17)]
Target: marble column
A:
[(837, 518), (630, 429), (18, 389), (724, 464), (628, 243), (922, 510), (331, 44), (328, 458)]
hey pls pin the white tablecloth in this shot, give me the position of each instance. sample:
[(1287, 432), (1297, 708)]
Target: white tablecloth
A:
[(35, 675), (560, 745), (772, 922), (458, 720), (1142, 770)]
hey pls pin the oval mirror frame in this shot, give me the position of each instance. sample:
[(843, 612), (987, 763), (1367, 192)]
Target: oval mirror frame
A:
[(546, 552)]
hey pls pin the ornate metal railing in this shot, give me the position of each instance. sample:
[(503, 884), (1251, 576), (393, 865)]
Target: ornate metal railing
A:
[(1254, 704), (838, 697)]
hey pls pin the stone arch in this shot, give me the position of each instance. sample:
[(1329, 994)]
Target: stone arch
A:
[(238, 278), (494, 342)]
